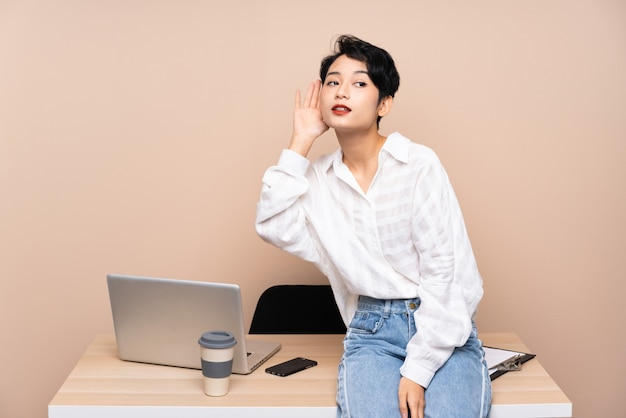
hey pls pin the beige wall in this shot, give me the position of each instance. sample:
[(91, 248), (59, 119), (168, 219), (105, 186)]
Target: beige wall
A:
[(133, 135)]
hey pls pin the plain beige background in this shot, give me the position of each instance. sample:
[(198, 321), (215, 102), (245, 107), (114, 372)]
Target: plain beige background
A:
[(134, 134)]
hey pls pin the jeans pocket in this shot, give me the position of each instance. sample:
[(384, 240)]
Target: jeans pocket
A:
[(366, 322)]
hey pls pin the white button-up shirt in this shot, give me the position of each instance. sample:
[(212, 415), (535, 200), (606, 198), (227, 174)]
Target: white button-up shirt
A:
[(402, 239)]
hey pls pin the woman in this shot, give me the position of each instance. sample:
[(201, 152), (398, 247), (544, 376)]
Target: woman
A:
[(380, 219)]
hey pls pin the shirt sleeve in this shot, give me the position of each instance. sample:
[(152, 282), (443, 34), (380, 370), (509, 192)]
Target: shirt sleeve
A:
[(280, 218), (444, 318)]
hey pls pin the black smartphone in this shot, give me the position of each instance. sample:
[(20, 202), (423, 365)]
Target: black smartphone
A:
[(291, 366)]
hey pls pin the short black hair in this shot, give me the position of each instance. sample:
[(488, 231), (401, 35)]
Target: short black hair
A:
[(380, 66)]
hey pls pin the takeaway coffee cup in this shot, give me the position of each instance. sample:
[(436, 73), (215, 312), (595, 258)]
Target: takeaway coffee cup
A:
[(216, 350)]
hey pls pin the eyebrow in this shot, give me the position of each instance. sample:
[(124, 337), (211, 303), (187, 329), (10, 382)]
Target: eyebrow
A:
[(356, 72)]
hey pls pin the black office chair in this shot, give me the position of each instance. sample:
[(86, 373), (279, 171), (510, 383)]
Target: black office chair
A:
[(297, 309)]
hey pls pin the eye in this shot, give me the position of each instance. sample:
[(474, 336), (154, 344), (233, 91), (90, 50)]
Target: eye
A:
[(332, 83), (360, 84)]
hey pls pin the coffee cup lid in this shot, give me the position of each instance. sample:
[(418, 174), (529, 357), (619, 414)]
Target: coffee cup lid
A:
[(217, 339)]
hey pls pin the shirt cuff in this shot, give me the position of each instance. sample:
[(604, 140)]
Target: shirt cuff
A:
[(420, 375), (296, 163)]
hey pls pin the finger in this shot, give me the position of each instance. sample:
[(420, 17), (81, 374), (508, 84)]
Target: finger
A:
[(404, 409), (316, 94), (414, 406), (309, 95), (417, 410), (298, 99)]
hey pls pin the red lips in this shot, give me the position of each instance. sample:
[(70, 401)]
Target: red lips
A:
[(341, 109)]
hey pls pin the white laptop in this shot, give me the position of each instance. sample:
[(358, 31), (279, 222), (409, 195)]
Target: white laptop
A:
[(160, 320)]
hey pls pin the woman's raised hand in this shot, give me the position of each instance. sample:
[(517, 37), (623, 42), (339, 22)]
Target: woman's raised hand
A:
[(308, 124)]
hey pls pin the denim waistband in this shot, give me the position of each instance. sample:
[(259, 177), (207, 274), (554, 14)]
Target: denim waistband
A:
[(367, 303)]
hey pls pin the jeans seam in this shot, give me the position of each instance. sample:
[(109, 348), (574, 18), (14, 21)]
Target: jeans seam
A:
[(482, 394)]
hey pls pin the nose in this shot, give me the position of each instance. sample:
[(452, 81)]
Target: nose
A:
[(342, 92)]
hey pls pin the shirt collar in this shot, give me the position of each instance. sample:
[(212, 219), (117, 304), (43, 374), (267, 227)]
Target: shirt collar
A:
[(396, 145)]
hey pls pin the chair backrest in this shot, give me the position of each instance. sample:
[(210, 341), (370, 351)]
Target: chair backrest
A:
[(297, 309)]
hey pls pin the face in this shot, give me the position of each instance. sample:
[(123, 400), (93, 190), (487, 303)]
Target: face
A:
[(349, 99)]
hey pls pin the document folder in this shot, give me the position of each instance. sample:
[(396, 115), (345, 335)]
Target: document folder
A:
[(501, 361)]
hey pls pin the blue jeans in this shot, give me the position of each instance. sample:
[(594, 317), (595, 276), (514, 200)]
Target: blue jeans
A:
[(374, 351)]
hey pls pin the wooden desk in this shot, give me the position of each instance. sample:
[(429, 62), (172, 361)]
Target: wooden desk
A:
[(102, 386)]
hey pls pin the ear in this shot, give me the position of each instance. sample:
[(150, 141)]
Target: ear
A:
[(385, 106)]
